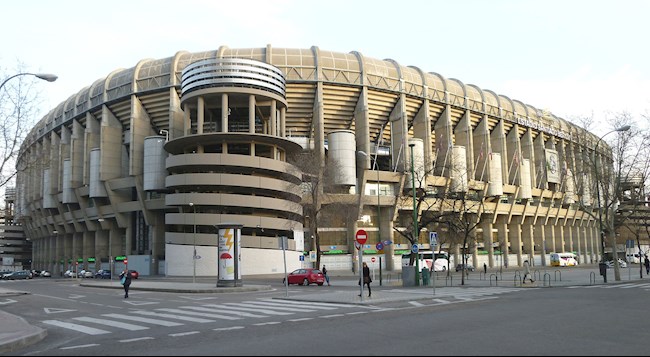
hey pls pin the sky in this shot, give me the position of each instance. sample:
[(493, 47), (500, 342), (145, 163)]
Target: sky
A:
[(573, 58)]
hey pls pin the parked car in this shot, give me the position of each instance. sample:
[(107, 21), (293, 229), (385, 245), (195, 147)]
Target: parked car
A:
[(621, 263), (103, 274), (46, 274), (469, 267), (70, 274), (21, 274), (305, 277), (86, 274)]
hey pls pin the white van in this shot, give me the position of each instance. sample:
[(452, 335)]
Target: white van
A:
[(427, 260), (633, 258), (563, 260)]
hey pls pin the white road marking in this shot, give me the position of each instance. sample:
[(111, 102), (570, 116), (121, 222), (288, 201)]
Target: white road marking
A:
[(144, 319), (184, 333), (196, 313), (76, 327), (118, 324)]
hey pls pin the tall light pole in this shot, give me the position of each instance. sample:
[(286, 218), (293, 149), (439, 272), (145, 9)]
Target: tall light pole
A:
[(44, 76), (600, 210), (194, 244), (415, 219)]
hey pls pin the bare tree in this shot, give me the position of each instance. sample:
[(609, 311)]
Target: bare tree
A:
[(463, 218), (456, 206), (19, 103), (319, 183), (633, 213), (605, 175)]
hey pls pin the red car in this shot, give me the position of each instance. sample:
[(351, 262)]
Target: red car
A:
[(306, 276)]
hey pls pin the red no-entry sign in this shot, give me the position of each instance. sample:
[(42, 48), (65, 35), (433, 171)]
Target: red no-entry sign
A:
[(361, 236)]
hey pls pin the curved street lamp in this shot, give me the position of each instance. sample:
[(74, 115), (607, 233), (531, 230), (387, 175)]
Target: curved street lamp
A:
[(600, 210), (44, 76)]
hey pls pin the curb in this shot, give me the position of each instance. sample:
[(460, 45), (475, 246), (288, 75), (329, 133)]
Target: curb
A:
[(27, 336)]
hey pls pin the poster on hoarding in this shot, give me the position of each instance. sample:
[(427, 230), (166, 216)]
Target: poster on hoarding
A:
[(227, 254)]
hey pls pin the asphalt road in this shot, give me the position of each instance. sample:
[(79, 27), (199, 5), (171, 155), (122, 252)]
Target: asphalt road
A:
[(581, 320)]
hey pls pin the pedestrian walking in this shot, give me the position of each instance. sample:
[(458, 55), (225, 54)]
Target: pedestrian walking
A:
[(125, 280), (484, 268), (646, 262), (527, 272), (327, 277), (366, 278)]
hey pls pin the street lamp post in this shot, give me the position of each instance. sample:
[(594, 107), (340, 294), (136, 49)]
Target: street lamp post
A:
[(415, 218), (44, 76), (600, 210), (194, 243)]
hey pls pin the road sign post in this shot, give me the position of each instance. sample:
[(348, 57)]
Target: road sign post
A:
[(361, 237), (433, 242), (433, 239)]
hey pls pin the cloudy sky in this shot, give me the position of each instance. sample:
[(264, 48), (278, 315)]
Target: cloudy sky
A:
[(573, 58)]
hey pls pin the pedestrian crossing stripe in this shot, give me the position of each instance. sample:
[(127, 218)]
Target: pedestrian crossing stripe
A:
[(124, 325), (613, 286), (170, 316), (51, 310), (196, 313), (249, 307), (76, 327), (143, 319), (281, 308), (266, 303)]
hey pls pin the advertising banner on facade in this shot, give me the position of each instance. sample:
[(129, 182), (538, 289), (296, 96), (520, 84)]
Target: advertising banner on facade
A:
[(552, 166)]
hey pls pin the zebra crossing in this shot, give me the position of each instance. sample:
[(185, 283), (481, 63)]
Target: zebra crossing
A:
[(138, 320), (460, 293), (643, 286)]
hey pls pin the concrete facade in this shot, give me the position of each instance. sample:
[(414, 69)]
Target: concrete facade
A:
[(228, 121)]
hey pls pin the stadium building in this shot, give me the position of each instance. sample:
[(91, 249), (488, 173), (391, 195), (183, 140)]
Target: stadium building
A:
[(145, 163)]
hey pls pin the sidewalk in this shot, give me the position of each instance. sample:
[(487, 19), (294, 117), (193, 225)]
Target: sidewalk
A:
[(16, 333)]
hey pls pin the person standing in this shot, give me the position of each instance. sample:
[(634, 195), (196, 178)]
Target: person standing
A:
[(527, 272), (125, 280), (366, 277), (327, 277), (485, 268), (646, 262)]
